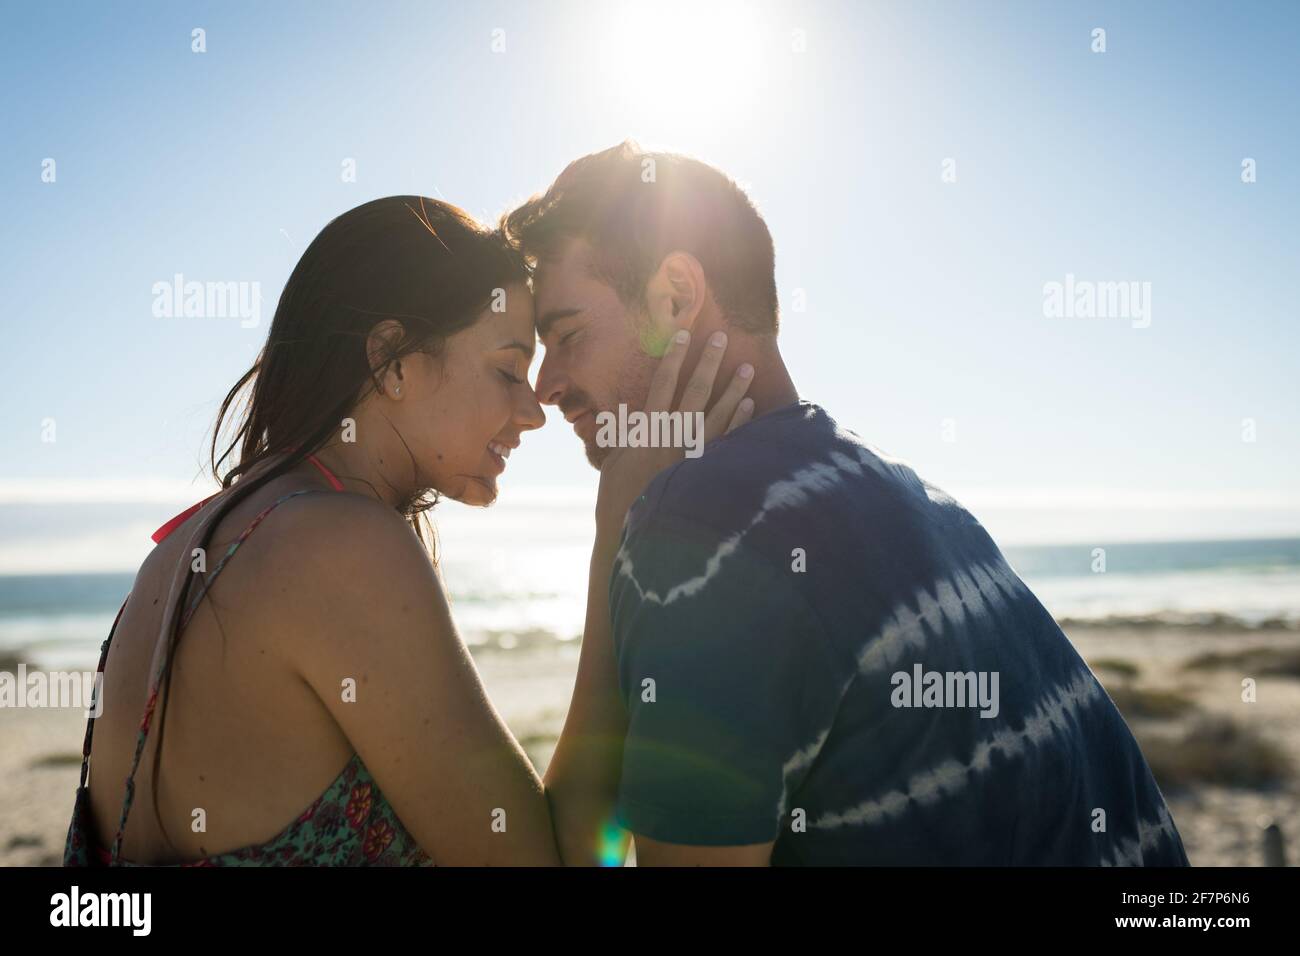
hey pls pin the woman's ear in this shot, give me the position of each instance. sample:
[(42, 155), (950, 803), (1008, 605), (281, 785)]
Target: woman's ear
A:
[(675, 295), (381, 346)]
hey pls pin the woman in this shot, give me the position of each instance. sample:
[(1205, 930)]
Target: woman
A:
[(321, 708)]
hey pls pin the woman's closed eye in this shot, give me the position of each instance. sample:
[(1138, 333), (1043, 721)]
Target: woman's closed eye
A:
[(511, 378)]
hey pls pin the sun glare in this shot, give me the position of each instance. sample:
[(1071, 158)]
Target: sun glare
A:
[(683, 60)]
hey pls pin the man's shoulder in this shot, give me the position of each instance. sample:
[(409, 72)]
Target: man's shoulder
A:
[(719, 486), (795, 459)]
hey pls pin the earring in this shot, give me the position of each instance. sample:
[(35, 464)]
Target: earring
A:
[(397, 390)]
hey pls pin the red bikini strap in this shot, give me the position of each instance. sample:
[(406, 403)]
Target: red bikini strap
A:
[(179, 520), (334, 482), (185, 515)]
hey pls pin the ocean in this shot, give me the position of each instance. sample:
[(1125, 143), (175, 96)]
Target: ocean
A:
[(517, 577)]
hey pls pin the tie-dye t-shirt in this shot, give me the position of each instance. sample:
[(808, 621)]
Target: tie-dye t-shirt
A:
[(819, 648)]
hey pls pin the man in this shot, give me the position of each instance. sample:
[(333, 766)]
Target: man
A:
[(824, 658)]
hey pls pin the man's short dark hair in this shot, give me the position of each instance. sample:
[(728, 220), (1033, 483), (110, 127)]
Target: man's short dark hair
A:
[(634, 207)]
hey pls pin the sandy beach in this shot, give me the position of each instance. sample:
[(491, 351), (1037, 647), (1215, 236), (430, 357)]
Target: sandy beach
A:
[(1228, 768)]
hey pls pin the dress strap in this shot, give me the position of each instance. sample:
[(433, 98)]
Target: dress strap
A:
[(99, 689), (161, 673)]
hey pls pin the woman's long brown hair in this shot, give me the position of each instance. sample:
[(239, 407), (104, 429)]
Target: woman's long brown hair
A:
[(423, 263)]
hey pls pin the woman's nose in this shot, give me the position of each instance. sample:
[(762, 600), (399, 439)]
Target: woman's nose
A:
[(530, 414)]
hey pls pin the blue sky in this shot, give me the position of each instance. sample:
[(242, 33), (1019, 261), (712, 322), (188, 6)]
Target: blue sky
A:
[(924, 316)]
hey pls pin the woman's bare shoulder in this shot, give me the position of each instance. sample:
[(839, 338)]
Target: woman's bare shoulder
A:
[(345, 534), (323, 511), (335, 560)]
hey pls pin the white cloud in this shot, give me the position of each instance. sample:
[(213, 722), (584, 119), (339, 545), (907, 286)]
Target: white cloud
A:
[(41, 491)]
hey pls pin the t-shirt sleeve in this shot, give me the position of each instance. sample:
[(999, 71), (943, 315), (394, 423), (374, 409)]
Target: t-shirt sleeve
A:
[(729, 680)]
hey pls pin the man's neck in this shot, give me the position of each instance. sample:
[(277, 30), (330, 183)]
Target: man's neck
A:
[(772, 387)]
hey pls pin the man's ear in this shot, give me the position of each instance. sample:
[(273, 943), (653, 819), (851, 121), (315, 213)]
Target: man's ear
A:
[(675, 293)]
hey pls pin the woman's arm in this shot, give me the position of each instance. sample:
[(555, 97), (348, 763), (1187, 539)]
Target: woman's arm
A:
[(367, 605), (582, 777)]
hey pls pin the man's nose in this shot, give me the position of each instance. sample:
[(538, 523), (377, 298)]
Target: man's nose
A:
[(550, 381)]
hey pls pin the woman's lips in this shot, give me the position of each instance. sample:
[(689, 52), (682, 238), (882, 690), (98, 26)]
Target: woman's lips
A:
[(499, 453)]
